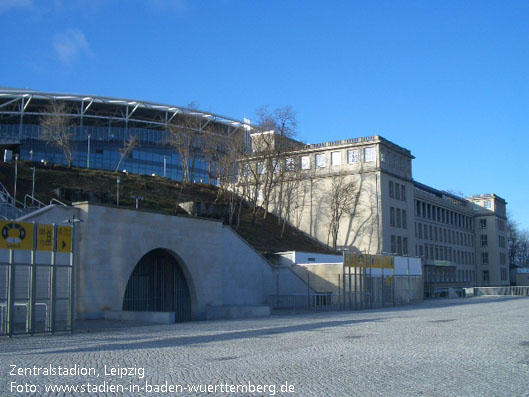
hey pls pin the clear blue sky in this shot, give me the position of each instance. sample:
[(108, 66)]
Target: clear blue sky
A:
[(448, 80)]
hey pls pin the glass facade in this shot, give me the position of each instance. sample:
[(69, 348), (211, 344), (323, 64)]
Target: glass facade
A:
[(105, 145)]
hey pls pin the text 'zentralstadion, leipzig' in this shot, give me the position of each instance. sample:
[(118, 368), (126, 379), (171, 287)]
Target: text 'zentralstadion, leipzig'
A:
[(436, 237)]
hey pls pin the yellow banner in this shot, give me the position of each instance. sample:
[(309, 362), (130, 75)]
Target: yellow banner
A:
[(64, 239), (16, 235), (44, 237), (368, 261)]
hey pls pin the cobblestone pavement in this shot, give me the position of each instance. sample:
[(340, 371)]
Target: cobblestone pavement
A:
[(465, 347)]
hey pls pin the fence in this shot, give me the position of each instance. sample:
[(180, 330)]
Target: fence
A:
[(350, 292), (501, 291), (36, 279)]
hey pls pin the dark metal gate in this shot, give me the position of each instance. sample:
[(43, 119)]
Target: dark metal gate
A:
[(158, 284)]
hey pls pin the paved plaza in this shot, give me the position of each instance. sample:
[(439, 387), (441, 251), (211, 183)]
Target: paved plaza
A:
[(464, 347)]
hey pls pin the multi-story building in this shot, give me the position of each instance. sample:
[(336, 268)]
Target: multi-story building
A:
[(462, 241)]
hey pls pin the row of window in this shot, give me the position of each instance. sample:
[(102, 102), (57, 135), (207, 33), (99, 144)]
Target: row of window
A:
[(398, 218), (436, 252), (353, 157), (397, 191), (399, 245), (434, 233), (503, 275), (464, 276), (320, 160), (438, 214)]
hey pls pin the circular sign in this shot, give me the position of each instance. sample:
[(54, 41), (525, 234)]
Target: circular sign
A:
[(13, 233)]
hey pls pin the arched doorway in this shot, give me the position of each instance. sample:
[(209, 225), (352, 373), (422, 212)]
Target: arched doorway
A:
[(158, 284)]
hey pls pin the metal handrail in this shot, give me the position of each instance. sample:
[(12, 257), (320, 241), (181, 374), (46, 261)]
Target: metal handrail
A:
[(57, 201), (5, 192), (33, 200)]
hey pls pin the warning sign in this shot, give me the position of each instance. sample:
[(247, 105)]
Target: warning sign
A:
[(64, 239), (44, 237), (16, 235)]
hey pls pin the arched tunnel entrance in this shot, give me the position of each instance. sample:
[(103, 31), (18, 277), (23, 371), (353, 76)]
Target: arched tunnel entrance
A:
[(158, 284)]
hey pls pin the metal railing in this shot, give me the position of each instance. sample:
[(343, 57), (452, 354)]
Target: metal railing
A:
[(501, 291), (53, 200)]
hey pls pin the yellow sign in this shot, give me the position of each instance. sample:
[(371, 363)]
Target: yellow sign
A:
[(16, 235), (44, 237), (64, 239), (368, 261)]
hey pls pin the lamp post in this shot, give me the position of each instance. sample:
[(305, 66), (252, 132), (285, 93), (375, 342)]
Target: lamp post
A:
[(88, 154), (16, 177), (33, 186), (137, 198), (31, 155), (164, 165), (117, 196)]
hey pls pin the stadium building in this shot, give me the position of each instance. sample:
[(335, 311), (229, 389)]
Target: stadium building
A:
[(99, 125)]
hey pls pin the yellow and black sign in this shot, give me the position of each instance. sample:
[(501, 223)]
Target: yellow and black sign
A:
[(368, 261), (64, 239), (44, 237), (16, 235)]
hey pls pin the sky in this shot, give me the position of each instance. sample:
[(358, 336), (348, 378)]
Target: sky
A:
[(448, 80)]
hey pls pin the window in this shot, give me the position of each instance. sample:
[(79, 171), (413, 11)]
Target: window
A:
[(336, 158), (405, 246), (277, 166), (487, 204), (420, 230), (418, 208), (501, 226), (403, 193), (392, 217), (305, 163), (320, 160), (483, 223), (369, 154), (398, 218), (484, 258), (503, 274), (503, 258), (485, 276), (501, 241), (352, 156), (393, 244), (289, 164), (399, 245), (260, 167), (391, 193), (397, 191), (404, 220), (484, 240)]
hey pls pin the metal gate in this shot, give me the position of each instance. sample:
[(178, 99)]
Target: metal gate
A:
[(158, 284), (36, 278)]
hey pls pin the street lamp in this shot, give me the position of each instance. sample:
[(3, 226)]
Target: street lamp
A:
[(137, 198), (16, 177), (164, 165), (88, 154), (33, 186), (117, 197), (31, 155)]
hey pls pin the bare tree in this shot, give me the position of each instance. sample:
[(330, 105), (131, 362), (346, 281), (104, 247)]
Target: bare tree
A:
[(128, 146), (229, 151), (340, 203), (55, 126), (185, 136)]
